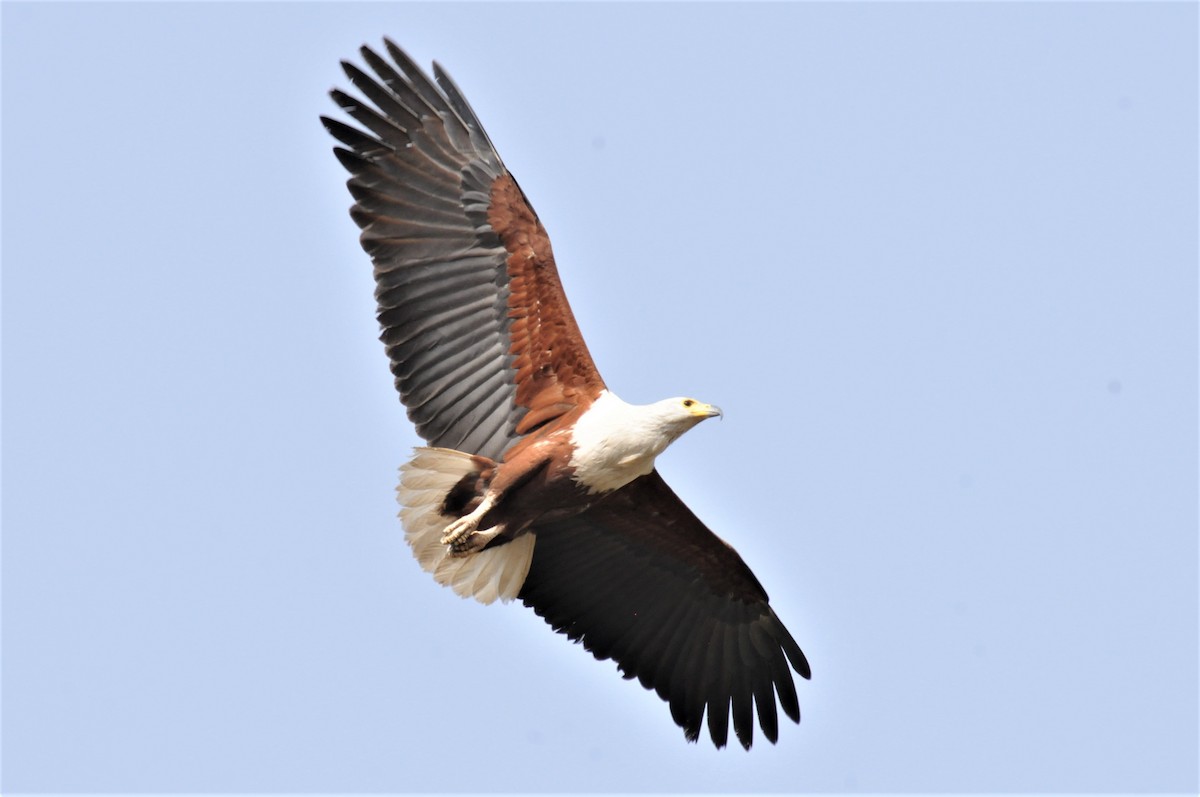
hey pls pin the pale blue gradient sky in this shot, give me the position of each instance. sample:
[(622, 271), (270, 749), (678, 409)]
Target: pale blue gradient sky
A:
[(937, 262)]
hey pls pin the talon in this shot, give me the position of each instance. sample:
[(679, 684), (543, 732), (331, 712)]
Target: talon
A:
[(468, 542), (461, 547), (462, 536), (456, 531)]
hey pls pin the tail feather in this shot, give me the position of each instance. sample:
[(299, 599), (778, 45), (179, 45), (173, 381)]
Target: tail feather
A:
[(485, 575)]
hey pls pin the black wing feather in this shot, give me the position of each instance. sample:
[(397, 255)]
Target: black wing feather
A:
[(639, 579)]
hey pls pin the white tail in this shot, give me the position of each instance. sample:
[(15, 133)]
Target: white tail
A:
[(484, 575)]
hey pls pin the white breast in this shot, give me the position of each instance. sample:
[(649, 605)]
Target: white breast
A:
[(616, 442)]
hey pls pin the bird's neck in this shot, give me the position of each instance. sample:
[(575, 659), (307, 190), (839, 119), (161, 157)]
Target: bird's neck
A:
[(616, 442)]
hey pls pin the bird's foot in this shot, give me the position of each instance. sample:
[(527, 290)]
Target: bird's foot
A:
[(462, 536), (466, 539), (458, 530)]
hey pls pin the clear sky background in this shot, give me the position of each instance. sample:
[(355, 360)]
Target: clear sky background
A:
[(937, 262)]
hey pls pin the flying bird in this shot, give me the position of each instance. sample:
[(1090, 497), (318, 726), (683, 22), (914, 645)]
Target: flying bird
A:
[(538, 483)]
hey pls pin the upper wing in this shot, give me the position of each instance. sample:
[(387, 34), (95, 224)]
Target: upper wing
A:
[(639, 579), (483, 344)]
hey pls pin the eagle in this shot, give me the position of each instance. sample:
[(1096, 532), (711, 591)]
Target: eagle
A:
[(538, 482)]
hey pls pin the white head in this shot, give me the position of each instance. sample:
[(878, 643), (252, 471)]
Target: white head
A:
[(616, 442), (674, 416)]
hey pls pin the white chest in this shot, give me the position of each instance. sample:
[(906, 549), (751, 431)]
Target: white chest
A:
[(615, 443)]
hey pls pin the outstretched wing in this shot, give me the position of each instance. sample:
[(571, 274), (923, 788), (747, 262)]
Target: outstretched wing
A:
[(482, 342), (639, 579)]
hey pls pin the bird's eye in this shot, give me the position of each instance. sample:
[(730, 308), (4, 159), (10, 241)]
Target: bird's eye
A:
[(688, 402)]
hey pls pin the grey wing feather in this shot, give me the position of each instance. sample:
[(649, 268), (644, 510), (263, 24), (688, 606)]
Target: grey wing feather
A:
[(421, 173)]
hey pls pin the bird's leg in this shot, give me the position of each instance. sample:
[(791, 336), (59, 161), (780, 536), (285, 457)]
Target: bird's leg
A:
[(463, 535)]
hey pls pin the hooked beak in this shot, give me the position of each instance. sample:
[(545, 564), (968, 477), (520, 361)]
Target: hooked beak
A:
[(700, 411)]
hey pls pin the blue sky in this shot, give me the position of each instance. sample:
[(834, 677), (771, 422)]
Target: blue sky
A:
[(937, 262)]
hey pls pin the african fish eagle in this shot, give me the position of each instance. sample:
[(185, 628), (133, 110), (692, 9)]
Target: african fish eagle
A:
[(538, 482)]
